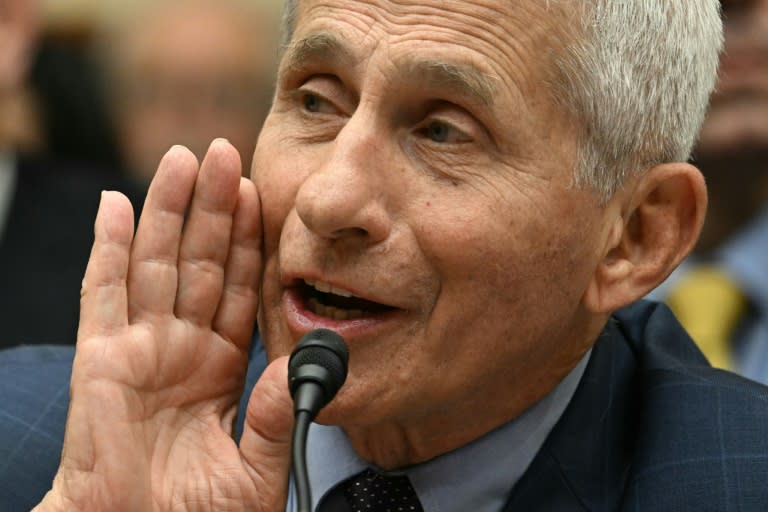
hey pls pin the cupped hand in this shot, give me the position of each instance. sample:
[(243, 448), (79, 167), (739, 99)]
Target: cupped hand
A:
[(165, 325)]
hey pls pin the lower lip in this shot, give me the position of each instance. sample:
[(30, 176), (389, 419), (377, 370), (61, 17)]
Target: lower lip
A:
[(301, 320)]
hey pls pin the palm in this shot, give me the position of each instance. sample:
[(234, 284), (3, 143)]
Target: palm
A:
[(166, 320), (164, 433)]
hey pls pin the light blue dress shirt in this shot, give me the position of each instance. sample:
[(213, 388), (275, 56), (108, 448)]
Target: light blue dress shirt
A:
[(745, 259), (477, 477)]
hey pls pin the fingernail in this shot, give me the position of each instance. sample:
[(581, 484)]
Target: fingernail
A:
[(104, 193)]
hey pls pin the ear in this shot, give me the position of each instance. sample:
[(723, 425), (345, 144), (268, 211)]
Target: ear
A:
[(659, 222)]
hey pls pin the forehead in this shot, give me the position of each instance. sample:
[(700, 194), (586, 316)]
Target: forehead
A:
[(507, 40)]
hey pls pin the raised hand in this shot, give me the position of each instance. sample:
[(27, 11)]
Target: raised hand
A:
[(165, 324)]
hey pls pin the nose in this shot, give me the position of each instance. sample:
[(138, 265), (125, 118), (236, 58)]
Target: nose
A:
[(345, 196)]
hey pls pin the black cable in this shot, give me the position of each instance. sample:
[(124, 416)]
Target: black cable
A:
[(316, 370), (299, 461)]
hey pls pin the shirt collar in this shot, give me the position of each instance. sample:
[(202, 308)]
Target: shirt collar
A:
[(478, 476)]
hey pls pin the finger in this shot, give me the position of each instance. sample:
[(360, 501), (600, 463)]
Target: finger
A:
[(153, 276), (103, 297), (266, 441), (236, 314), (206, 240)]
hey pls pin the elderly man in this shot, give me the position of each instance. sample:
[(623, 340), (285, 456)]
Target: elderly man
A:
[(468, 192)]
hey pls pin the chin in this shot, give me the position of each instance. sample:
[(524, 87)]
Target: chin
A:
[(337, 413), (349, 408)]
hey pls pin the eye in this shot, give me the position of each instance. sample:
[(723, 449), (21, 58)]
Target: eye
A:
[(311, 102), (438, 132), (444, 133)]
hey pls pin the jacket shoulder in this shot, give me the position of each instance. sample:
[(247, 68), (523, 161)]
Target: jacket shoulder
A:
[(34, 385), (702, 438)]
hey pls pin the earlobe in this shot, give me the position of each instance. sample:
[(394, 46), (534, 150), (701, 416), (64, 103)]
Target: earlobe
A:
[(662, 219)]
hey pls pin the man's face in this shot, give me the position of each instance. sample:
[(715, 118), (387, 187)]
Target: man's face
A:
[(738, 117), (414, 160)]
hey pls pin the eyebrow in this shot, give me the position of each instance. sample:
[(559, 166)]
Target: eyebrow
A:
[(319, 46), (462, 79)]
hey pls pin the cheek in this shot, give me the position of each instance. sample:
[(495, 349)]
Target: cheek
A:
[(271, 171), (495, 310), (278, 178), (520, 265)]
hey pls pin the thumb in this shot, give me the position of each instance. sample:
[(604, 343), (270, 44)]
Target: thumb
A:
[(266, 441)]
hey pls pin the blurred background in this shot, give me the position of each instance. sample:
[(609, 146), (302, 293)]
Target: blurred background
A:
[(92, 94), (114, 81), (720, 293)]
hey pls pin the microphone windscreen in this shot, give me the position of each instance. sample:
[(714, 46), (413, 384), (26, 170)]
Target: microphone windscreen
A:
[(326, 349)]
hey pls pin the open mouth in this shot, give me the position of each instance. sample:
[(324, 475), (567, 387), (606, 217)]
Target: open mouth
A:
[(324, 300)]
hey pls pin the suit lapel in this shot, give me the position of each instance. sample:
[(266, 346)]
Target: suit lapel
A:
[(585, 461)]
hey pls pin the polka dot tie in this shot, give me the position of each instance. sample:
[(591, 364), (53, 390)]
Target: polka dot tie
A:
[(373, 492)]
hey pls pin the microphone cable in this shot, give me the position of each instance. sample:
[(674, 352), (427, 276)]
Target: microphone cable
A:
[(317, 369)]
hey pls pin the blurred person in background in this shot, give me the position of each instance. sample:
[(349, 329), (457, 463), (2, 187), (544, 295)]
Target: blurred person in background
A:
[(19, 122), (46, 203), (721, 294), (186, 72)]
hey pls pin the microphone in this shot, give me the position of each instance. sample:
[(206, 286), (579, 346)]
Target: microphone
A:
[(317, 369)]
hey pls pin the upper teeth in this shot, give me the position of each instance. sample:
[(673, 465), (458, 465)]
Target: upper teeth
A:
[(326, 288)]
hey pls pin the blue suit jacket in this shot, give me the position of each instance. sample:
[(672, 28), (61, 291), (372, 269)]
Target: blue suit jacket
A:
[(651, 427)]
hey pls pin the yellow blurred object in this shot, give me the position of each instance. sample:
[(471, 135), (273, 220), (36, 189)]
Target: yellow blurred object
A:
[(709, 305)]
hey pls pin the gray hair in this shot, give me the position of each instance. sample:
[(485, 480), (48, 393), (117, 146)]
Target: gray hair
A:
[(637, 77), (639, 80)]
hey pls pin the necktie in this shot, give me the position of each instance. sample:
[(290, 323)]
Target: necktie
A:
[(709, 305), (373, 492)]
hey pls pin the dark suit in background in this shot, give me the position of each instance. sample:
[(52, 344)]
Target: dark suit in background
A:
[(45, 245), (651, 427)]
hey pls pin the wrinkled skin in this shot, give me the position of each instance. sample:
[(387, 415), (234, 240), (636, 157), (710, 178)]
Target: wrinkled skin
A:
[(413, 160), (166, 320), (409, 191)]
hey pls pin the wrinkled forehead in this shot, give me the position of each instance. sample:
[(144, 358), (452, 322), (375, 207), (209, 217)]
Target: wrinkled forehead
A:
[(502, 38), (526, 14)]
